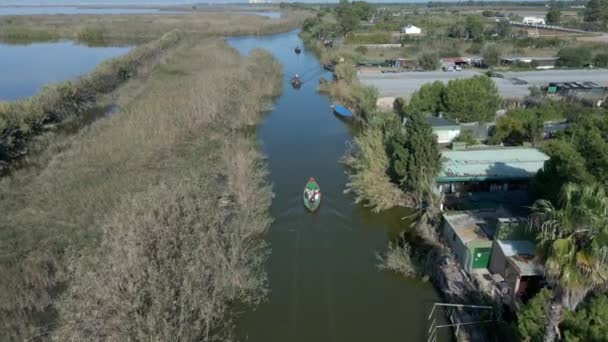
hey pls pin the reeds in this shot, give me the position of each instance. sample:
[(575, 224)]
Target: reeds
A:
[(173, 192)]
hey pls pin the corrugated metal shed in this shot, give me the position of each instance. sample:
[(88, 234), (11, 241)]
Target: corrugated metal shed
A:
[(521, 253), (490, 164)]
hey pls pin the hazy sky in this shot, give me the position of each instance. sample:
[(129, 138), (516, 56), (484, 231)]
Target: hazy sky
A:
[(158, 2)]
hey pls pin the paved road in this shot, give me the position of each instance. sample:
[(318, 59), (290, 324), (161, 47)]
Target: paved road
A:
[(406, 83)]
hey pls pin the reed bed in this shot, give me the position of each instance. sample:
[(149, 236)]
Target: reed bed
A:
[(148, 224)]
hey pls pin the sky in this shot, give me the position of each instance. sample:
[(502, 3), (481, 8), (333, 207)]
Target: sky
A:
[(161, 2)]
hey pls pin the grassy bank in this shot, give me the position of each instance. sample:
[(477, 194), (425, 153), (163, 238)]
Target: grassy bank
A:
[(165, 187), (135, 29), (23, 119)]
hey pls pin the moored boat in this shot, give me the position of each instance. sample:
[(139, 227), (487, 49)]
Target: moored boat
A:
[(312, 195), (298, 50), (342, 111)]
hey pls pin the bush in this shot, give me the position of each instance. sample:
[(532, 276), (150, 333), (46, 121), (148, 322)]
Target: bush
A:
[(492, 54), (601, 60), (361, 49), (574, 57), (346, 72), (398, 259), (467, 137), (429, 61)]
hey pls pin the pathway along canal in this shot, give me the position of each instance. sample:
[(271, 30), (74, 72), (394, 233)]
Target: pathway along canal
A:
[(324, 284)]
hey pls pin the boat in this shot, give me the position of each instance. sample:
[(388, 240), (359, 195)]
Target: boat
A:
[(342, 111), (298, 50), (312, 189), (296, 82)]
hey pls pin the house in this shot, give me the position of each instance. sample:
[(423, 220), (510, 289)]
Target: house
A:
[(522, 274), (444, 130), (411, 29), (533, 21), (464, 233), (488, 169), (589, 91)]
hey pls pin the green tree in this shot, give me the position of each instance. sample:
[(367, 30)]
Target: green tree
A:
[(535, 128), (573, 243), (466, 137), (492, 54), (427, 99), (415, 156), (601, 60), (531, 317), (471, 99), (474, 27), (588, 323), (348, 20), (596, 11), (554, 14), (503, 29), (361, 9), (429, 61), (591, 145), (509, 130), (574, 57), (565, 165)]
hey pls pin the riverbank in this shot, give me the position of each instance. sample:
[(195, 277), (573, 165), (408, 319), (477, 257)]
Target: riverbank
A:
[(94, 232)]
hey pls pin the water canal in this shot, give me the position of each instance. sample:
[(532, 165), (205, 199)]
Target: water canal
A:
[(324, 284), (26, 69)]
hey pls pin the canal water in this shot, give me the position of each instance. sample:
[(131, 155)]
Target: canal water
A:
[(26, 69), (324, 284)]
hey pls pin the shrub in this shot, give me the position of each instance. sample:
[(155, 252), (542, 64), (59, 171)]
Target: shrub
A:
[(574, 57), (429, 61), (361, 49), (346, 72), (467, 137), (601, 60), (398, 259), (492, 54)]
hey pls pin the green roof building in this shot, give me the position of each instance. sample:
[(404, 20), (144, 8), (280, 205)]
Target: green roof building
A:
[(489, 169)]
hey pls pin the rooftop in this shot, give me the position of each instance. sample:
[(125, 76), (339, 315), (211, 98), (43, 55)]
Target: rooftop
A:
[(521, 253), (490, 164), (468, 226), (440, 122)]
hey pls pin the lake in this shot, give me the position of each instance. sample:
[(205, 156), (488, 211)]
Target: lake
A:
[(25, 69)]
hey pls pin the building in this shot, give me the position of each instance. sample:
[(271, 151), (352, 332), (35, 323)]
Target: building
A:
[(445, 131), (540, 63), (464, 233), (488, 169), (411, 29), (533, 21), (522, 275), (589, 91)]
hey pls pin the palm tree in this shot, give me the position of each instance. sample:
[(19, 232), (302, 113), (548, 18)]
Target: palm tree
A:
[(573, 243)]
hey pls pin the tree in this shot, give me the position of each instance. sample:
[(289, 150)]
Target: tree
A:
[(531, 317), (588, 323), (361, 9), (503, 29), (508, 130), (414, 153), (596, 11), (492, 54), (601, 60), (573, 243), (429, 61), (427, 99), (565, 165), (474, 27), (574, 57), (471, 99), (535, 128), (348, 21), (554, 14)]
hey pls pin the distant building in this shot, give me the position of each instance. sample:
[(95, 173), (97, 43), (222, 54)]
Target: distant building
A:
[(533, 21), (488, 169), (411, 29), (445, 130), (589, 91), (539, 62)]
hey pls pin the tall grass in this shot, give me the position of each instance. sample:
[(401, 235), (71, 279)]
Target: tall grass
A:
[(171, 190), (130, 29), (21, 120)]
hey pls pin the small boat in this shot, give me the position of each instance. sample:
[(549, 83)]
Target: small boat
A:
[(298, 50), (312, 195), (342, 111), (296, 82)]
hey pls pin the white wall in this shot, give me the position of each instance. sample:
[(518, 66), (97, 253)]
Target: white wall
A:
[(446, 136)]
